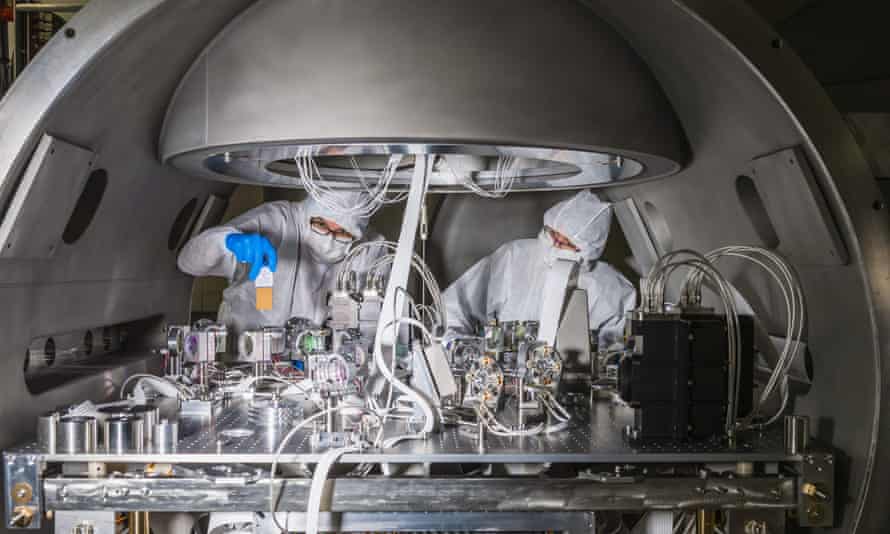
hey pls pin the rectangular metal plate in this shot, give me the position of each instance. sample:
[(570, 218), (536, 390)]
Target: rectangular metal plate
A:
[(22, 491), (642, 244), (797, 209), (817, 468), (415, 494), (44, 200), (596, 434), (569, 522)]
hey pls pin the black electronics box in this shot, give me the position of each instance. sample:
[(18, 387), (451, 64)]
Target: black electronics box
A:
[(676, 374)]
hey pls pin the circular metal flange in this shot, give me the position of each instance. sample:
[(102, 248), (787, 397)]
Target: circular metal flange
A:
[(355, 166)]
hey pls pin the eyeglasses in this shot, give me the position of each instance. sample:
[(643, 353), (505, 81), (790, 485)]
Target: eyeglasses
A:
[(561, 241), (321, 227)]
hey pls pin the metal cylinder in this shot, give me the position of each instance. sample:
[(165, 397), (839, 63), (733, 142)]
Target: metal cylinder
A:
[(77, 434), (705, 521), (166, 436), (123, 434), (797, 434), (138, 523), (150, 415), (47, 432)]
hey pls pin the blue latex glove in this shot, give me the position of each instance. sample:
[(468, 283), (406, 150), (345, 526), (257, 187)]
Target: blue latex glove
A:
[(253, 249)]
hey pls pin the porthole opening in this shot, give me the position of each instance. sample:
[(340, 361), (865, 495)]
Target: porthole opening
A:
[(658, 229), (86, 207), (756, 211), (181, 224)]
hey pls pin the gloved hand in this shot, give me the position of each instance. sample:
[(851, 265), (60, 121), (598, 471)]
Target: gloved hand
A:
[(253, 249)]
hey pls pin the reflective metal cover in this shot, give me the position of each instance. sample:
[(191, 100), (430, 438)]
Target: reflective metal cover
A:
[(544, 81)]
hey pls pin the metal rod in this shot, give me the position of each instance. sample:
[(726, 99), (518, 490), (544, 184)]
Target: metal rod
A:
[(138, 523), (49, 7), (376, 494), (706, 521)]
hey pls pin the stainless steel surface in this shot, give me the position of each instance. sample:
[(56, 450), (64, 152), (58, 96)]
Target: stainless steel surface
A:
[(66, 522), (35, 218), (166, 436), (423, 494), (77, 434), (569, 522), (47, 432), (386, 79), (769, 101), (233, 435), (738, 97), (23, 492), (71, 90), (536, 168), (123, 434), (797, 433), (807, 235), (51, 7), (150, 416)]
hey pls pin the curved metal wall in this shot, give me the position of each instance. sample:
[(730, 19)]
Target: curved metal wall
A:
[(104, 89), (740, 97)]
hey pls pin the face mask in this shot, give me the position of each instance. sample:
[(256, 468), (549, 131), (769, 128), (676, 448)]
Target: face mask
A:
[(325, 249), (551, 253)]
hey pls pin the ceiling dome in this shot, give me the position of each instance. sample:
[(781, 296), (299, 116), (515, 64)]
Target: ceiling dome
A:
[(544, 85)]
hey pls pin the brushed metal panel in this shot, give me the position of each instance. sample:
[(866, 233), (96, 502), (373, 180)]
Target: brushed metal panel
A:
[(44, 200), (806, 230)]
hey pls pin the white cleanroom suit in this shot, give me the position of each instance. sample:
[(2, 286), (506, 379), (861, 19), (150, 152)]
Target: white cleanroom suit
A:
[(306, 268), (508, 284)]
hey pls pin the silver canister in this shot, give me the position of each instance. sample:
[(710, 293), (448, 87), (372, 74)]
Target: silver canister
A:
[(123, 434), (150, 415), (47, 432), (77, 434), (118, 410), (166, 436), (797, 434)]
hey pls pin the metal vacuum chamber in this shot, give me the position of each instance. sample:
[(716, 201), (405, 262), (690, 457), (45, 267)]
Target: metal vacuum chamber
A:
[(129, 131)]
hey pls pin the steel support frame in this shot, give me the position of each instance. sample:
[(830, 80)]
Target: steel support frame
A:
[(423, 495)]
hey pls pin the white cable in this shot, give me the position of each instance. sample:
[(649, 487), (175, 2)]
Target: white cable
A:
[(273, 499), (413, 396), (164, 386), (317, 186), (785, 277), (316, 489), (505, 174), (417, 263)]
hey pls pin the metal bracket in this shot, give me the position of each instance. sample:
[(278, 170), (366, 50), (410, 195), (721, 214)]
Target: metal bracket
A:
[(23, 491), (816, 499)]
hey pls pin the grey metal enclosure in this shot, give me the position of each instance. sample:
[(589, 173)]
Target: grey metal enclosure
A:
[(131, 130)]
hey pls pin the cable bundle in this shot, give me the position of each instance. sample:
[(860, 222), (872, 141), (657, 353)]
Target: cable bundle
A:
[(785, 277), (701, 267), (436, 312), (556, 411), (327, 196), (505, 173)]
